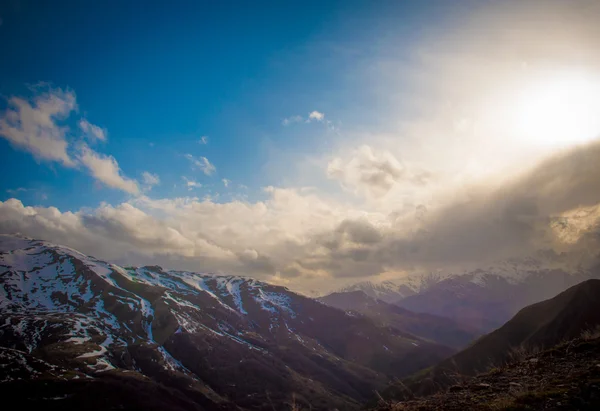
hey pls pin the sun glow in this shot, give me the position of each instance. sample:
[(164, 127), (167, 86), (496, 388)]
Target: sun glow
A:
[(560, 110)]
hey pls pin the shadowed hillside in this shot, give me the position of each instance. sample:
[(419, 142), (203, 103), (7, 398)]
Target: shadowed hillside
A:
[(217, 340), (564, 378), (534, 328), (435, 328)]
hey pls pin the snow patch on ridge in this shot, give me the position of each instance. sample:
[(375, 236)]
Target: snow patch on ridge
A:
[(272, 301), (232, 285), (148, 314)]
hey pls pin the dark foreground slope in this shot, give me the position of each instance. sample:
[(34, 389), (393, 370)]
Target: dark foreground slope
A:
[(540, 325), (174, 338), (35, 384), (536, 327), (566, 377)]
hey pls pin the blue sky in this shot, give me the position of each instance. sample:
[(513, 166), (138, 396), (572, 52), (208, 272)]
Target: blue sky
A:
[(242, 133), (164, 75)]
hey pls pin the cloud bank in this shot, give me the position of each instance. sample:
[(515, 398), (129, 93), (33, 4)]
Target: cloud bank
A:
[(296, 235)]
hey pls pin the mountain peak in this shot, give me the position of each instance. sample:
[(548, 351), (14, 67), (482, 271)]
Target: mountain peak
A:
[(192, 331)]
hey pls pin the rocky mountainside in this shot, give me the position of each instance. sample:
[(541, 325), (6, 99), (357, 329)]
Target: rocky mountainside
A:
[(566, 377), (78, 326), (535, 328), (439, 329)]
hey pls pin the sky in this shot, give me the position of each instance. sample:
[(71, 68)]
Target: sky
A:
[(309, 144)]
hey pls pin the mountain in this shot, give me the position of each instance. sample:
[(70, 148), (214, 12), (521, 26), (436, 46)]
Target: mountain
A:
[(391, 291), (537, 327), (439, 329), (387, 291), (75, 327), (563, 378), (487, 298)]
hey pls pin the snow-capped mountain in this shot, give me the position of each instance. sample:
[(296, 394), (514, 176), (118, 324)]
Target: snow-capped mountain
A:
[(391, 291), (388, 291), (484, 297), (488, 300), (223, 342)]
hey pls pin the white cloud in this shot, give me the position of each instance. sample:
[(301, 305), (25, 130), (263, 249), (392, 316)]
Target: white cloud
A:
[(226, 182), (202, 163), (312, 116), (373, 172), (290, 120), (115, 232), (191, 184), (203, 140), (187, 232), (17, 190), (92, 130), (33, 125), (315, 115), (206, 166), (150, 179), (106, 169)]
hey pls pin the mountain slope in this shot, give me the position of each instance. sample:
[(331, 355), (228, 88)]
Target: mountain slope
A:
[(441, 330), (217, 341), (39, 384), (544, 324), (488, 298), (563, 378), (536, 327)]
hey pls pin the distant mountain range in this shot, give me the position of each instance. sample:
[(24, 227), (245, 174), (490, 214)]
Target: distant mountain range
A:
[(435, 328), (75, 328), (387, 291), (482, 298)]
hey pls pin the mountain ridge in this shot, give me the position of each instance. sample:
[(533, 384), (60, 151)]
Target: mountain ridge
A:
[(485, 298), (561, 378), (225, 341), (537, 327), (435, 328)]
